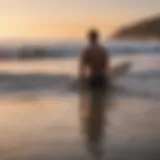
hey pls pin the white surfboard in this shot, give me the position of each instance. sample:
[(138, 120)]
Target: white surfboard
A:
[(115, 72), (119, 70)]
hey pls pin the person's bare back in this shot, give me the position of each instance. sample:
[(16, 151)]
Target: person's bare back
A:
[(95, 59)]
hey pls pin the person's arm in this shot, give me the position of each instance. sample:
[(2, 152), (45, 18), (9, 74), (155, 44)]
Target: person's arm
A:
[(106, 62), (82, 67)]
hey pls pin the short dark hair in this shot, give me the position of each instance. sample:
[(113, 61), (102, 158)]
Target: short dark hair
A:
[(93, 35)]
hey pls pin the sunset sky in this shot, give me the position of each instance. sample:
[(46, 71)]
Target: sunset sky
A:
[(63, 19)]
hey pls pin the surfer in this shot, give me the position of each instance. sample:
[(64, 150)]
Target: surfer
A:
[(94, 59), (94, 67), (95, 93)]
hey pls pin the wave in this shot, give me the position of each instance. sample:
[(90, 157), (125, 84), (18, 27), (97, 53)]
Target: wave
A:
[(131, 85), (72, 50)]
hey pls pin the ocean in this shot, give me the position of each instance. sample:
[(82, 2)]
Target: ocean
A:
[(40, 117)]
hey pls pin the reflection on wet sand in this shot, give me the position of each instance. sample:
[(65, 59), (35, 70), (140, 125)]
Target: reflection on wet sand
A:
[(93, 113), (46, 127)]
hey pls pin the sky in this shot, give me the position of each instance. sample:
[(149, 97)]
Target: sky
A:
[(69, 19)]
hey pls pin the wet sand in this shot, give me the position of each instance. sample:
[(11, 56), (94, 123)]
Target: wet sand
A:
[(49, 127), (40, 123)]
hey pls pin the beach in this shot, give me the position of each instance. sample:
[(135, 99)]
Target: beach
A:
[(40, 113)]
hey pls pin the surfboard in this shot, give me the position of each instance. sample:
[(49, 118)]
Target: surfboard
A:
[(119, 70), (115, 72)]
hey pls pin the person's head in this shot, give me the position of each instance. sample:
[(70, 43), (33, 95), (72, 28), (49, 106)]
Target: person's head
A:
[(93, 36)]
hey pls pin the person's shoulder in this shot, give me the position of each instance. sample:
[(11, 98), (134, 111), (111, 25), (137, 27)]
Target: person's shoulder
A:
[(102, 48), (85, 50)]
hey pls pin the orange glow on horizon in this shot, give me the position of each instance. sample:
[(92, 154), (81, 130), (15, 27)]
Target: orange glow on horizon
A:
[(54, 27), (69, 18)]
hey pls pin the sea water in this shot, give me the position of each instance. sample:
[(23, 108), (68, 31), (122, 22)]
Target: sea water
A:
[(39, 111)]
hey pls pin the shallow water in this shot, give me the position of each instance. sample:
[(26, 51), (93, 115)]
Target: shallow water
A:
[(40, 118), (49, 128)]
